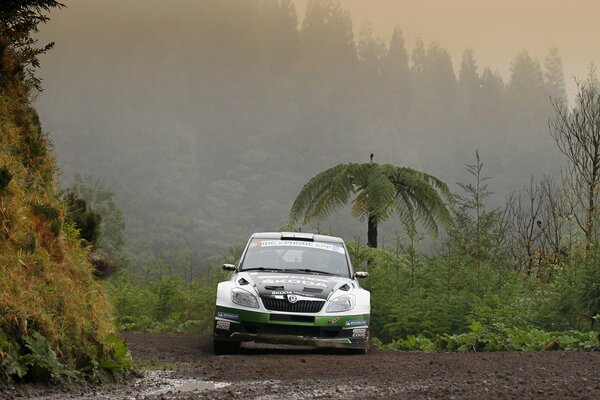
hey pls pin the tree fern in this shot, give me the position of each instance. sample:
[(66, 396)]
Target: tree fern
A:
[(380, 190)]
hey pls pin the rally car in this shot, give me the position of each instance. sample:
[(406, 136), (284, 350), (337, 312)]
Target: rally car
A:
[(295, 289)]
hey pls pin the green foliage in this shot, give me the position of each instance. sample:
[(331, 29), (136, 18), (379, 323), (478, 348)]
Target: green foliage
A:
[(471, 297), (165, 302), (168, 295), (415, 294), (379, 190), (588, 284), (411, 343), (84, 219), (476, 231), (20, 20), (42, 362), (35, 360), (497, 337), (571, 298), (100, 200), (118, 358), (9, 358)]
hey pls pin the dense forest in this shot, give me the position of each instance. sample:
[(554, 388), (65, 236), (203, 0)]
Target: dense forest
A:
[(206, 140)]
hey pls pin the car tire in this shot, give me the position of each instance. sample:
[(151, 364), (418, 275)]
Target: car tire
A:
[(221, 347)]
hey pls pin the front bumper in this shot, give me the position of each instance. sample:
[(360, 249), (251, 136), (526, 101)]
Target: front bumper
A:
[(345, 331)]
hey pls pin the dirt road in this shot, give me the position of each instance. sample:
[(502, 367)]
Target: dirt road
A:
[(182, 367)]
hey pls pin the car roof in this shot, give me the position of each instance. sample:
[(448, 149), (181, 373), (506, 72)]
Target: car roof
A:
[(297, 236)]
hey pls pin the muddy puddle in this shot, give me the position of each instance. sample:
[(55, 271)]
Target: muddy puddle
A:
[(153, 384), (163, 382)]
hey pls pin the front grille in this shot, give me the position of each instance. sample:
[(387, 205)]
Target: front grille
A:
[(301, 306)]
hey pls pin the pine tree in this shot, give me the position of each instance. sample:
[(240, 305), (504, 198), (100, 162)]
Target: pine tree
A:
[(553, 74), (526, 88), (396, 74), (439, 74), (371, 51), (468, 78), (327, 33), (418, 58)]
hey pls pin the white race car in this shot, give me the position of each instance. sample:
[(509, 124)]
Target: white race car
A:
[(292, 288)]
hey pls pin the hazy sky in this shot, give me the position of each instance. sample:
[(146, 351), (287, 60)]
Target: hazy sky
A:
[(496, 30)]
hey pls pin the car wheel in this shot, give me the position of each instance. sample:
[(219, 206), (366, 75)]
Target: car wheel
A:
[(221, 347)]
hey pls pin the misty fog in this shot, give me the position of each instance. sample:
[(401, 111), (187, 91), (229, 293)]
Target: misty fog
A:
[(207, 117)]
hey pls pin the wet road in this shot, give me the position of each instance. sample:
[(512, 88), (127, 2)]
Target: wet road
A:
[(183, 367)]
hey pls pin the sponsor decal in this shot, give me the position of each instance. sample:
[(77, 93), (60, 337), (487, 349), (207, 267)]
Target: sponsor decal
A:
[(224, 325), (300, 277), (298, 243), (292, 298), (361, 332), (280, 293), (302, 281), (356, 322), (335, 320), (221, 314)]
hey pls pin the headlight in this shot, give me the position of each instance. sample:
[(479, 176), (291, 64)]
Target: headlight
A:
[(342, 303), (243, 298)]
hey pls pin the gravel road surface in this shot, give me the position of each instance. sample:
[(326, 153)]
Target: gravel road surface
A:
[(183, 367)]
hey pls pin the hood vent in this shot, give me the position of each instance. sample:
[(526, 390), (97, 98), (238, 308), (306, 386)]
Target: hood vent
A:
[(345, 287), (274, 287), (243, 282), (312, 290)]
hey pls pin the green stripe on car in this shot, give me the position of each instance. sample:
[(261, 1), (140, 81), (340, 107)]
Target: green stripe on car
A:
[(260, 317)]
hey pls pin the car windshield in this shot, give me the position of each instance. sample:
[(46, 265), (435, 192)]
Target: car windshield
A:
[(295, 255)]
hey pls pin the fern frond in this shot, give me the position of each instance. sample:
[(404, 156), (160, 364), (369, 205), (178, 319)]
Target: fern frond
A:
[(322, 194), (381, 189)]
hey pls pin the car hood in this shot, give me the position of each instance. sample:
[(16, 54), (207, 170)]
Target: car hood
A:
[(270, 284)]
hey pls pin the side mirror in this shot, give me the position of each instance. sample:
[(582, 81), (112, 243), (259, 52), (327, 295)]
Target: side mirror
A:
[(361, 274), (229, 267)]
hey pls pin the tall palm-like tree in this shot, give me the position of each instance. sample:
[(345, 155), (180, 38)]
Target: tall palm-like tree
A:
[(379, 191)]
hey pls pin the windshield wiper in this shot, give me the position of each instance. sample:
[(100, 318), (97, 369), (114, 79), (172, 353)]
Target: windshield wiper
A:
[(312, 271)]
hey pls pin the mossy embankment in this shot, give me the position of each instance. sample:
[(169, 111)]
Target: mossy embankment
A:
[(55, 320)]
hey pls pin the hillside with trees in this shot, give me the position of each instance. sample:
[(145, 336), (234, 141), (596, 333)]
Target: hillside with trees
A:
[(55, 319)]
